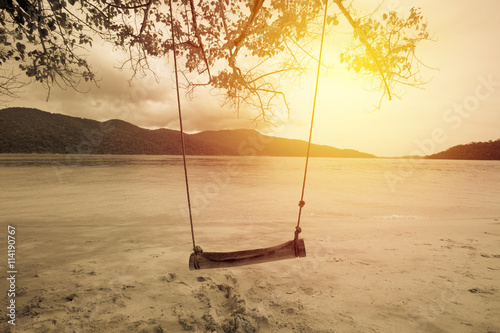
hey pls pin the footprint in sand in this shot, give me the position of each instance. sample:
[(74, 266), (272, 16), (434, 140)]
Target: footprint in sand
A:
[(485, 255), (482, 291), (168, 278), (220, 308)]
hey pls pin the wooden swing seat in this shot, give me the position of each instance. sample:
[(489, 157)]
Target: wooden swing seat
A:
[(206, 260)]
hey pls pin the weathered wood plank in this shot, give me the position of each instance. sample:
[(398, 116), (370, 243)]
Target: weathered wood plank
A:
[(283, 251)]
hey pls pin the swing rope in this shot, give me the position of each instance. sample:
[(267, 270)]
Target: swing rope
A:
[(302, 202), (196, 249)]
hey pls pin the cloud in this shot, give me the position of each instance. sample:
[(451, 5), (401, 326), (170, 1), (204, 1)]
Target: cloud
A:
[(149, 101)]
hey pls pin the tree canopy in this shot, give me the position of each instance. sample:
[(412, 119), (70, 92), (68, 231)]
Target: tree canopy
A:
[(240, 47)]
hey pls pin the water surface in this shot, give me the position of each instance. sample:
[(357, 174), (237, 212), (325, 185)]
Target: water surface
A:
[(90, 189)]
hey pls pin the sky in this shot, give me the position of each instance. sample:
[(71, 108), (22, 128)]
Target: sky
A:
[(460, 104)]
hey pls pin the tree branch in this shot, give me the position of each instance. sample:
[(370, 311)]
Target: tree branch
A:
[(365, 42)]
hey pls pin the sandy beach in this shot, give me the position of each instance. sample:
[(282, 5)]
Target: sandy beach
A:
[(394, 103), (393, 274)]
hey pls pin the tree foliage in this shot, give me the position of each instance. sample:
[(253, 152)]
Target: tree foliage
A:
[(45, 38), (384, 50), (239, 47)]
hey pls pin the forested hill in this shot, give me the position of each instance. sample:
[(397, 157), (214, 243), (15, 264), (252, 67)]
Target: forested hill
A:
[(25, 130), (489, 150)]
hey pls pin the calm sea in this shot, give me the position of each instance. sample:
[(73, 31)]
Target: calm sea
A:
[(86, 189)]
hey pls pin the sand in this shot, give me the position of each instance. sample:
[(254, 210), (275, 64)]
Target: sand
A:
[(391, 274)]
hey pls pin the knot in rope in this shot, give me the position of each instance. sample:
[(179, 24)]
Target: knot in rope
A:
[(298, 230), (198, 250), (302, 203)]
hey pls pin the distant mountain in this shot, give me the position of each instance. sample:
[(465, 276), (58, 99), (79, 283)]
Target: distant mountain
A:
[(489, 150), (25, 130), (250, 142)]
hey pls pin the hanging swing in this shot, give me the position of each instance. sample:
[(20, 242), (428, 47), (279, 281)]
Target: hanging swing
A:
[(291, 249)]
